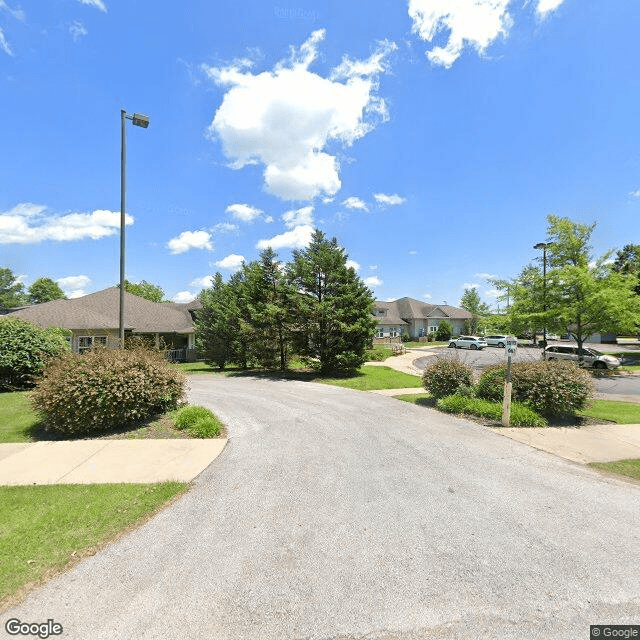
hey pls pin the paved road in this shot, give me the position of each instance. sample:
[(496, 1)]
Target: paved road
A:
[(335, 514)]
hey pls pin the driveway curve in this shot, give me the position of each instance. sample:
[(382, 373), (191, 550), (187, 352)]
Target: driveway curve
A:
[(336, 514)]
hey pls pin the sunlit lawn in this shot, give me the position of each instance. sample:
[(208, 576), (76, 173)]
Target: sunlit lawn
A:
[(370, 378)]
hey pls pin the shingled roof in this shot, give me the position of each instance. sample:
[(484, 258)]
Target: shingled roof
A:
[(410, 309), (101, 310)]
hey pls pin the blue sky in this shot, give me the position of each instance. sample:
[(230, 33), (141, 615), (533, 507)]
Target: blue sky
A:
[(431, 137)]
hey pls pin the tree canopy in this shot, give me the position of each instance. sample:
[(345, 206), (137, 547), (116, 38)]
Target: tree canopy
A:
[(45, 290), (12, 292), (145, 290)]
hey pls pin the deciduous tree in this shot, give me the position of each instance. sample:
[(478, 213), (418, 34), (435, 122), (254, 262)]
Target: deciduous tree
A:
[(45, 290)]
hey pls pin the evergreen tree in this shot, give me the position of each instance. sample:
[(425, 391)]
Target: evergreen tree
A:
[(267, 297), (332, 306), (45, 290), (218, 323)]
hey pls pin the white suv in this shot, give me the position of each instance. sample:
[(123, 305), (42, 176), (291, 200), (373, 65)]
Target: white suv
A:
[(467, 342), (499, 341), (590, 357)]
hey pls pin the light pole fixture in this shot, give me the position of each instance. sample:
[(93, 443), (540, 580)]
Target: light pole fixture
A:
[(544, 246), (140, 120)]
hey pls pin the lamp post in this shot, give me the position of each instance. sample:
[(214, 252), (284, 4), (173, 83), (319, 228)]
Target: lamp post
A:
[(544, 246), (139, 120)]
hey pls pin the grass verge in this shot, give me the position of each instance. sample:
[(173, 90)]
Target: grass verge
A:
[(370, 378), (615, 410), (629, 468), (48, 528), (17, 418)]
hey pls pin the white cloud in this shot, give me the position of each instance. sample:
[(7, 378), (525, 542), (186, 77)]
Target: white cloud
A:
[(545, 7), (298, 217), (353, 265), (77, 30), (190, 240), (184, 296), (285, 118), (635, 194), (224, 227), (269, 219), (75, 293), (475, 23), (413, 253), (485, 276), (389, 200), (244, 212), (355, 203), (98, 4), (373, 281), (427, 296), (4, 45), (492, 293), (204, 283), (373, 267), (29, 223), (297, 238), (73, 282), (18, 14), (470, 285), (232, 262)]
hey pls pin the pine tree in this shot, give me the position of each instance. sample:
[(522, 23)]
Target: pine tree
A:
[(332, 305)]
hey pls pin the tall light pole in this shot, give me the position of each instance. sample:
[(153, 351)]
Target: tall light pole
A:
[(544, 246), (139, 120)]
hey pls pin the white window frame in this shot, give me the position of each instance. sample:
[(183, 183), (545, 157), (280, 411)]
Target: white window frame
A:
[(91, 342)]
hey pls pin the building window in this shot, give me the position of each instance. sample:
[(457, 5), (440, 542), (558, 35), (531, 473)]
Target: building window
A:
[(86, 343), (432, 329), (380, 333)]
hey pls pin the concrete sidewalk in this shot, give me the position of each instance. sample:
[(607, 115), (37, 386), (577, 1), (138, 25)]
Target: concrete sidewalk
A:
[(106, 461)]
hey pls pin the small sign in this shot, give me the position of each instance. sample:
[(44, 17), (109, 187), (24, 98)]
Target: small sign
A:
[(511, 347)]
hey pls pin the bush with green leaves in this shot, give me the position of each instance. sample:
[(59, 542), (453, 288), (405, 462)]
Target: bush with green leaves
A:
[(199, 421), (405, 337), (24, 351), (521, 415), (445, 376), (104, 389), (189, 415), (552, 388), (444, 331)]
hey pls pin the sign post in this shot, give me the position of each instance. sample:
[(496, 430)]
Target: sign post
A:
[(510, 350)]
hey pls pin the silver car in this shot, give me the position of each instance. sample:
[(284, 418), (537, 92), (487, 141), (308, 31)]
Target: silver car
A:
[(590, 357), (467, 342), (496, 341)]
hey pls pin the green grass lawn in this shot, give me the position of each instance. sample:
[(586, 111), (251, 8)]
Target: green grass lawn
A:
[(616, 410), (630, 468), (43, 528), (17, 418), (419, 345), (369, 378), (196, 367)]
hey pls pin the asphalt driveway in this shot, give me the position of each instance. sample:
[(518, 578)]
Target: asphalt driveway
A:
[(341, 514)]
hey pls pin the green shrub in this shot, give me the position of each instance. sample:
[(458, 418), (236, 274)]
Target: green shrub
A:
[(24, 351), (444, 331), (106, 388), (188, 416), (521, 415), (405, 337), (208, 427), (445, 376), (490, 385), (552, 388)]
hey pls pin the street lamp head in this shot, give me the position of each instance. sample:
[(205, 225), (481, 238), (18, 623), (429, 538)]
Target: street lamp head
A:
[(140, 120), (541, 245)]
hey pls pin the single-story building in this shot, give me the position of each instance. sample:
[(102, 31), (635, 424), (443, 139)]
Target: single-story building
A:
[(416, 318), (94, 319)]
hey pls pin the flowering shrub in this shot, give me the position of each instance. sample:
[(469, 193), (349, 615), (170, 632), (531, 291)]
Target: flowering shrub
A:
[(552, 388), (445, 376), (106, 388)]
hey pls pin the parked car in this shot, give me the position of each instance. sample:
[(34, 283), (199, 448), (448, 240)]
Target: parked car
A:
[(590, 357), (496, 341), (467, 342)]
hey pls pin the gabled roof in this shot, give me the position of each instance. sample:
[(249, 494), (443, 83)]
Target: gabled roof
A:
[(412, 309), (101, 310)]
